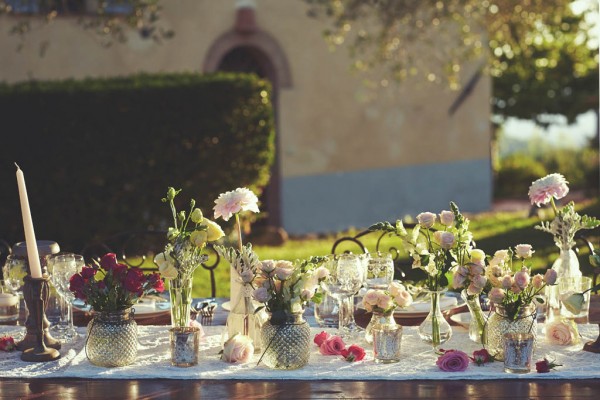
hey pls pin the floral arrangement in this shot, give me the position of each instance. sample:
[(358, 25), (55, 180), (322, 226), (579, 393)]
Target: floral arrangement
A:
[(435, 246), (186, 239), (333, 345), (119, 288), (471, 276), (562, 331), (544, 366), (386, 301), (514, 291), (237, 349), (566, 222), (7, 343), (286, 287)]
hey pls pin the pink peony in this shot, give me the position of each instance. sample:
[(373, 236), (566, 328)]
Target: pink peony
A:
[(229, 203), (453, 361), (353, 353), (321, 337), (542, 190), (332, 346), (238, 348)]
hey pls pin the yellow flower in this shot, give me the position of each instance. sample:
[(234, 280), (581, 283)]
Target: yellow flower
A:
[(213, 230), (199, 238)]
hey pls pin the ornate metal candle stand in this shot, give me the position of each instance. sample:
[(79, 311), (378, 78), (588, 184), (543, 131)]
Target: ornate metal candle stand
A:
[(37, 345)]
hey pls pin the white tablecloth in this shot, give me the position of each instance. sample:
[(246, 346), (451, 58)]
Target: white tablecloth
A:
[(418, 361)]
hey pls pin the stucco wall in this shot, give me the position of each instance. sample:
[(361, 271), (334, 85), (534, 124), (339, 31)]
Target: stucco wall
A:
[(330, 124)]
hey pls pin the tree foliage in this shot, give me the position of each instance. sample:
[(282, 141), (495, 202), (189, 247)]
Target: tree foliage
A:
[(539, 52)]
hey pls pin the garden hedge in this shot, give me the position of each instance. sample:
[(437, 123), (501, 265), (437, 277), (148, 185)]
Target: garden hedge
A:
[(99, 154)]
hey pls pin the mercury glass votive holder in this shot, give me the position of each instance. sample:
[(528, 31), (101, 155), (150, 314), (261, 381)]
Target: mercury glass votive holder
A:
[(518, 352), (185, 342), (386, 343)]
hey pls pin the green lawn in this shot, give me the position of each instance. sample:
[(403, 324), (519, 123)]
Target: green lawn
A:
[(492, 231)]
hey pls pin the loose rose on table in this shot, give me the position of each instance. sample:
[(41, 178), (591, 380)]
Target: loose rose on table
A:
[(321, 337), (562, 332), (453, 360), (7, 343), (481, 357), (238, 349), (545, 366), (332, 346), (353, 353)]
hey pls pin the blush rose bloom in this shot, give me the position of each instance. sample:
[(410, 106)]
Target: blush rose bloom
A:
[(261, 295), (453, 361), (447, 217), (238, 348), (496, 295), (166, 265), (524, 251), (426, 219), (458, 280), (507, 282), (477, 256), (445, 239), (267, 266), (537, 281), (403, 299), (542, 190), (522, 279), (560, 332), (229, 203), (332, 346), (550, 277)]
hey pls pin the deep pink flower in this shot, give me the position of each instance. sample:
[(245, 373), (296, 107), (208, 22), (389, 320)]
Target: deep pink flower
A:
[(77, 285), (481, 357), (332, 346), (108, 261), (134, 280), (7, 343), (321, 337), (544, 366), (453, 361), (353, 353), (542, 190), (88, 272), (156, 283)]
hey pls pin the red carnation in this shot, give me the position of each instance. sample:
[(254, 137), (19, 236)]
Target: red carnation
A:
[(108, 261), (134, 280)]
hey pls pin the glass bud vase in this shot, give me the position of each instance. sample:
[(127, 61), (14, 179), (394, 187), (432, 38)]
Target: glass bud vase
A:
[(112, 339), (286, 339), (500, 323), (566, 266), (386, 336), (244, 319), (478, 318), (180, 292), (435, 330)]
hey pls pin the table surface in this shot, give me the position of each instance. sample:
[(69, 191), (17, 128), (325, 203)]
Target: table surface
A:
[(295, 389)]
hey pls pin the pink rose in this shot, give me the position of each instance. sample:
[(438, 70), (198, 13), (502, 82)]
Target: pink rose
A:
[(542, 190), (267, 266), (560, 332), (537, 281), (229, 203), (479, 281), (447, 217), (522, 279), (426, 219), (353, 353), (524, 251), (481, 357), (496, 295), (321, 337), (385, 301), (261, 295), (458, 280), (283, 273), (507, 282), (550, 277), (476, 269), (446, 240), (238, 348), (371, 297), (453, 361), (332, 346), (473, 289), (403, 299)]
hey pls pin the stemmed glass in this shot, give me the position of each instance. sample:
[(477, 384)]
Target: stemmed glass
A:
[(346, 276), (14, 271), (380, 271), (61, 267)]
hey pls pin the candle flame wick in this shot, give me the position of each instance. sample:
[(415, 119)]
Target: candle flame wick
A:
[(17, 166)]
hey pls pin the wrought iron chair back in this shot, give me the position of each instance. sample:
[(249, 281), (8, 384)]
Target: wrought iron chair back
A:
[(138, 248)]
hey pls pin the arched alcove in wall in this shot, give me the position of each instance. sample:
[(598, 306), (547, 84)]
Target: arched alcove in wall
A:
[(256, 52)]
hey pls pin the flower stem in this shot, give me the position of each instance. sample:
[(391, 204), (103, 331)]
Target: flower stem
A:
[(553, 206), (239, 229)]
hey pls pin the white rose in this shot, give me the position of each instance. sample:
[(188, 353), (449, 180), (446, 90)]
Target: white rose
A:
[(426, 219), (238, 349), (524, 251), (447, 217)]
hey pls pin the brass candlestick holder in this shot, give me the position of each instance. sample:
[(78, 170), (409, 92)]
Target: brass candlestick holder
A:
[(37, 345)]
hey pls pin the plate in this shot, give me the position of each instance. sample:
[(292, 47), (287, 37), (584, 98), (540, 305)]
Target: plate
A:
[(147, 307), (462, 319), (420, 309), (226, 306)]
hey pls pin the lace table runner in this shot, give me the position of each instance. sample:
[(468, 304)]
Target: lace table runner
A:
[(418, 361)]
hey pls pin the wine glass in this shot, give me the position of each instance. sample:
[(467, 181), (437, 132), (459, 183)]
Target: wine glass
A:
[(346, 276), (61, 267), (14, 271), (380, 271)]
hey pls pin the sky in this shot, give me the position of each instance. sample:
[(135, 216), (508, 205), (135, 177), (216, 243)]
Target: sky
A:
[(562, 135)]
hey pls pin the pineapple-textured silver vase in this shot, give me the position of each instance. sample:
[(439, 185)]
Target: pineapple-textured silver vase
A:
[(112, 339)]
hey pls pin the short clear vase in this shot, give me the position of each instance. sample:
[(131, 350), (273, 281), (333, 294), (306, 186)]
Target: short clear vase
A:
[(435, 330), (180, 292), (478, 318)]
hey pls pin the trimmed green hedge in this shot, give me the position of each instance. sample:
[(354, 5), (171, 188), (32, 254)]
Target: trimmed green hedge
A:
[(99, 154)]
